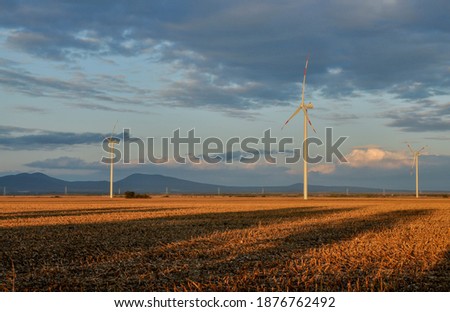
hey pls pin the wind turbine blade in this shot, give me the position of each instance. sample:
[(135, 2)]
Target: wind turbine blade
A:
[(114, 128), (303, 96), (410, 148), (412, 166), (292, 116), (111, 137), (309, 120), (422, 149), (304, 80)]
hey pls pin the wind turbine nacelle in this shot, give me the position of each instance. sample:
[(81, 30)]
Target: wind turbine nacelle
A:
[(309, 105), (113, 140)]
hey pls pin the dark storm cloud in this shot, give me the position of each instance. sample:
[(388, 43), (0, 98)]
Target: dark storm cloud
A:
[(8, 130), (30, 109), (105, 88), (339, 118), (15, 138), (247, 157), (439, 138), (198, 91), (400, 47), (107, 108), (421, 118), (49, 45), (70, 163)]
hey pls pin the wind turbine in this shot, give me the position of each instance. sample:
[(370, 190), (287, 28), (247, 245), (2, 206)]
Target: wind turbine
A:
[(111, 141), (304, 107), (416, 155)]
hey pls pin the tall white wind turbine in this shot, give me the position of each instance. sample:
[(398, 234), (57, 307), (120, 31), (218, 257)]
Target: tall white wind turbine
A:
[(415, 163), (304, 107), (111, 141)]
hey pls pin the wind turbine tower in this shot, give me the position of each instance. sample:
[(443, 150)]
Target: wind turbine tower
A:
[(111, 141), (416, 155), (304, 107)]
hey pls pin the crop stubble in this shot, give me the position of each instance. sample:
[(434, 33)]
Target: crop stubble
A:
[(215, 243)]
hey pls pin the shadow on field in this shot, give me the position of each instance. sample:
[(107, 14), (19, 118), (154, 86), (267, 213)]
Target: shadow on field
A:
[(265, 269), (436, 279), (79, 212), (93, 256)]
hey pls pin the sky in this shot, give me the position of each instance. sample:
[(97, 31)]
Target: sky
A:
[(378, 74)]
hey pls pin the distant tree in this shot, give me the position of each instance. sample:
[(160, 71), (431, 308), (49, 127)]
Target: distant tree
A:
[(130, 194)]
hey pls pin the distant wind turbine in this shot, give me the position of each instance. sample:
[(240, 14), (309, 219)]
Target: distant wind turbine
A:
[(415, 163), (304, 107), (111, 141)]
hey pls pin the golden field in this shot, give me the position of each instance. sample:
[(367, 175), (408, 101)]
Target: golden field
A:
[(220, 243)]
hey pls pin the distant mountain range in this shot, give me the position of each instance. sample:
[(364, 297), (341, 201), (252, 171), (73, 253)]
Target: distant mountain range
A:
[(39, 183)]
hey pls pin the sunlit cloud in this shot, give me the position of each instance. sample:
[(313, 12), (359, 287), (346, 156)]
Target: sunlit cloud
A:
[(376, 158)]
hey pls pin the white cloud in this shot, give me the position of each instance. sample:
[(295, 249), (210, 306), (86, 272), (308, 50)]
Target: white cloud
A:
[(334, 70), (376, 157), (367, 157), (324, 168)]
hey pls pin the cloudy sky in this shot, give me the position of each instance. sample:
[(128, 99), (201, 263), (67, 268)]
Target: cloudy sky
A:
[(379, 73)]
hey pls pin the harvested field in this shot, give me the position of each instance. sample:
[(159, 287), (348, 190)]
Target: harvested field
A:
[(224, 244)]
